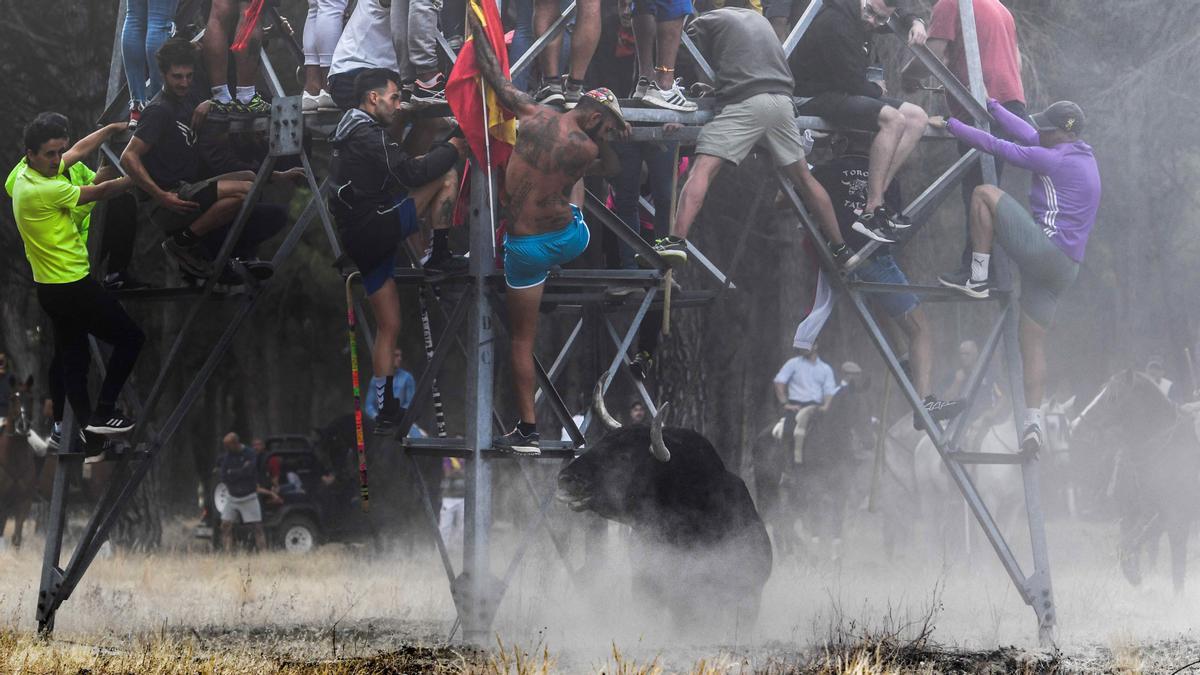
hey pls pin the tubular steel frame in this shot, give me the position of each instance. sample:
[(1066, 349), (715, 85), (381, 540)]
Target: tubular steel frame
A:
[(472, 302)]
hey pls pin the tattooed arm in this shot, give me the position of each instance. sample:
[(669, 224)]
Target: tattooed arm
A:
[(517, 101), (607, 163)]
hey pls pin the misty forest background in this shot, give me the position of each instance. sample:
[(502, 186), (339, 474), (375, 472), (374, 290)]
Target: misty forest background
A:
[(1130, 64)]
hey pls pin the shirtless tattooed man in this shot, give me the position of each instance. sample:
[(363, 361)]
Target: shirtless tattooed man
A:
[(554, 151)]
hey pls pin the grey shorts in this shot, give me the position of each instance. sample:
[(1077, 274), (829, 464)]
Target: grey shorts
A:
[(1045, 270), (765, 119), (247, 507), (202, 192)]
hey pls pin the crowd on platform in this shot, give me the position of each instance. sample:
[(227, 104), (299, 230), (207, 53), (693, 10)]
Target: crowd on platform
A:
[(396, 177)]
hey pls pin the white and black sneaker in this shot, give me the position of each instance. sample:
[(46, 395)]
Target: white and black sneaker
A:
[(429, 93), (672, 249), (640, 89), (550, 93), (962, 281), (520, 443), (109, 425), (897, 220), (1032, 441), (670, 99), (55, 441), (874, 225)]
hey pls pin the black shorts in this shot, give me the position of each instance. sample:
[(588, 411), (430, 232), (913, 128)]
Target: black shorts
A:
[(203, 193), (844, 110), (372, 244)]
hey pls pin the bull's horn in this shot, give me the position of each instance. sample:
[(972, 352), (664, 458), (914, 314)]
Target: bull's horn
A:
[(657, 447), (601, 409)]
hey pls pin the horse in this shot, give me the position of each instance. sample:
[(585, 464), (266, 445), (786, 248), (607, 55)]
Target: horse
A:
[(1155, 476), (20, 446)]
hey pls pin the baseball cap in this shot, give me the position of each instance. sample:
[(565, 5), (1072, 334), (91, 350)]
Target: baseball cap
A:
[(606, 98), (1063, 115), (851, 368)]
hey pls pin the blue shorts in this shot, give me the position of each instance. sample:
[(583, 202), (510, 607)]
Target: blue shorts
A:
[(528, 259), (882, 269), (664, 10), (372, 244)]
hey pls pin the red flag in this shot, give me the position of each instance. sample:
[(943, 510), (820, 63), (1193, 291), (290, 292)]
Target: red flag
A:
[(464, 86)]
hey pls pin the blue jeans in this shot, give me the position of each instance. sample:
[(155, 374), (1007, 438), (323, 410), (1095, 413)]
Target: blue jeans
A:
[(524, 37), (627, 188), (147, 26)]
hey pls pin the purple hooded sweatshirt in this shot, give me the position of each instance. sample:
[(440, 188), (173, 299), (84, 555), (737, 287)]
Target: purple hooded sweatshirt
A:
[(1065, 192)]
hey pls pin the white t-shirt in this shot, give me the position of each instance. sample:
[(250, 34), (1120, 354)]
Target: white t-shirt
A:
[(366, 41), (807, 381)]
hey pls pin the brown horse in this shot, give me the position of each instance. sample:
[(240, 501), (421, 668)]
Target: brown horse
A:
[(20, 446)]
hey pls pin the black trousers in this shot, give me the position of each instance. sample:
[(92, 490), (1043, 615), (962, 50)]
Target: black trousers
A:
[(76, 310)]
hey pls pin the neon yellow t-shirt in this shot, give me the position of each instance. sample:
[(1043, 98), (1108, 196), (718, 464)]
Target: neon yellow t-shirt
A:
[(78, 174), (44, 208)]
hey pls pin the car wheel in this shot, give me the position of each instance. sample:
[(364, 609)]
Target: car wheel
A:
[(220, 497), (299, 534)]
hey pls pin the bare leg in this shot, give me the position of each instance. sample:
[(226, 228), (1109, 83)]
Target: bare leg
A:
[(670, 34), (1033, 360), (915, 121), (246, 61), (260, 538), (920, 349), (221, 213), (891, 131), (984, 202), (385, 307), (314, 79), (644, 32), (227, 536), (703, 170), (815, 198), (435, 201), (586, 36), (523, 317), (222, 19), (545, 12)]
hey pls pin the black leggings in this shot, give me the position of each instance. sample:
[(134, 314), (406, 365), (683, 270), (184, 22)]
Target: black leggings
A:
[(76, 310)]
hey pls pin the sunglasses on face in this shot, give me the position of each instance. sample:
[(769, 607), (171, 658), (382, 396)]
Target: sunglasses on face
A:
[(874, 15)]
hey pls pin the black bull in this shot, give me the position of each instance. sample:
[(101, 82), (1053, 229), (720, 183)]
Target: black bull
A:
[(698, 542)]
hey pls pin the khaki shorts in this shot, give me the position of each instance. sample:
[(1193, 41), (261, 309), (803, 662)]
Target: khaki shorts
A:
[(247, 507), (764, 119)]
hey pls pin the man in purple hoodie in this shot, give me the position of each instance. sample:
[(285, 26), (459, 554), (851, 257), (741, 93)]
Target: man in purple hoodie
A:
[(1047, 245)]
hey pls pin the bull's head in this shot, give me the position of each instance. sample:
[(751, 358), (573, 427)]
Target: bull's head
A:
[(658, 449)]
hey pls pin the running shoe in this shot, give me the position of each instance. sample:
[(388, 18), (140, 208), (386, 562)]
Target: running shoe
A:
[(188, 258), (55, 441), (962, 281), (669, 99), (446, 263), (123, 281), (672, 249), (640, 89), (429, 95), (939, 410), (519, 443), (1031, 440), (842, 254), (257, 106), (135, 113), (109, 425), (571, 95), (389, 418), (874, 225), (898, 220), (550, 93)]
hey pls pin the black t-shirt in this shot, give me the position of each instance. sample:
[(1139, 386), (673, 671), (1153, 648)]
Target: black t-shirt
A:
[(845, 179), (166, 126)]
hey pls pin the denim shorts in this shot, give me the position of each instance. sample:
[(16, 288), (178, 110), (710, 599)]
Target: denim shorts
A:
[(882, 269), (528, 259)]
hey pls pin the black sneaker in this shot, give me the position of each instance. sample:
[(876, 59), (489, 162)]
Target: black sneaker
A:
[(842, 254), (641, 365), (188, 258), (962, 281), (446, 263), (874, 225), (109, 425), (1031, 440), (571, 95), (519, 443), (389, 418), (123, 281), (431, 95), (259, 269), (55, 440), (898, 221), (672, 249), (939, 410), (550, 93)]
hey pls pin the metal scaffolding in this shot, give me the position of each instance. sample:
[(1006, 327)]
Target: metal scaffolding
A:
[(469, 306)]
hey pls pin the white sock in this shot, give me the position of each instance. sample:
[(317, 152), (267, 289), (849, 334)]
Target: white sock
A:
[(979, 266), (244, 94), (1034, 416), (221, 93)]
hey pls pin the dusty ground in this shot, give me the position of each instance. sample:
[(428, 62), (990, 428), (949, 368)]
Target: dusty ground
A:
[(342, 610)]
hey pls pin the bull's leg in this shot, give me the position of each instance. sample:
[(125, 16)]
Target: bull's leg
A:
[(20, 513), (1177, 537), (1130, 548)]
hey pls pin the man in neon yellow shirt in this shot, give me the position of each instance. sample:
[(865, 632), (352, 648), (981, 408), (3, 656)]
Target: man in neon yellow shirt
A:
[(45, 204)]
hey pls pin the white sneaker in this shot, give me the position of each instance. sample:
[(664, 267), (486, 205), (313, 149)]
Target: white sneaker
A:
[(325, 101), (640, 89), (671, 99), (310, 103)]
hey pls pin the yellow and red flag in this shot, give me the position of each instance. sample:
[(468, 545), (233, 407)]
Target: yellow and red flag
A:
[(463, 91)]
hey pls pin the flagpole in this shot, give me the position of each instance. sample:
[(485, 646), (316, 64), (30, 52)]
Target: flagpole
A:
[(487, 145)]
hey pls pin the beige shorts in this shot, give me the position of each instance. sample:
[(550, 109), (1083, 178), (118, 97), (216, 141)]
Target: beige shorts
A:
[(765, 119)]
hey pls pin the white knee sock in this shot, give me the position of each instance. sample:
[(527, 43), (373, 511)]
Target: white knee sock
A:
[(979, 266)]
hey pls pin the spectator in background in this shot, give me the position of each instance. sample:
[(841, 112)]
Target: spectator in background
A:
[(238, 469), (366, 43), (804, 385), (403, 387), (658, 25), (225, 21), (637, 413), (1001, 60), (322, 28), (45, 205), (1156, 372), (147, 26), (414, 35), (831, 68)]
